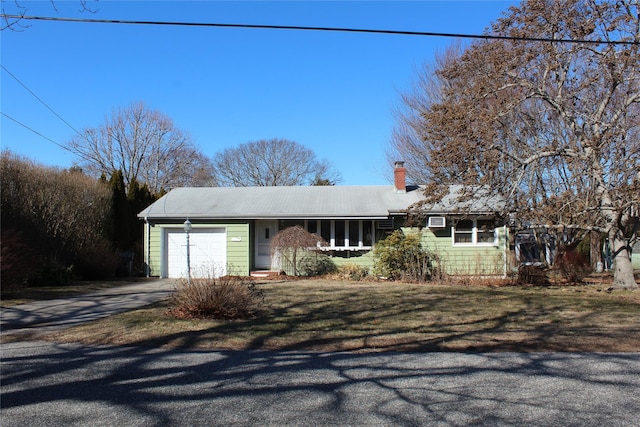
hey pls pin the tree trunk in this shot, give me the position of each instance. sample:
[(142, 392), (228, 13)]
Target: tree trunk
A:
[(622, 268), (295, 262), (595, 253)]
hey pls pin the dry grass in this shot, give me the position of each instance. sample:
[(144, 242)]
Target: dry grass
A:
[(323, 315)]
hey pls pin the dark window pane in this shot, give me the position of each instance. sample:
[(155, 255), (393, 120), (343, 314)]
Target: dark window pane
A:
[(486, 231), (354, 233), (325, 230), (339, 233), (367, 233), (464, 225), (464, 231), (463, 237)]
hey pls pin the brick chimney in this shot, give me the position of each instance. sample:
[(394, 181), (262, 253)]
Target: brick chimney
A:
[(400, 177)]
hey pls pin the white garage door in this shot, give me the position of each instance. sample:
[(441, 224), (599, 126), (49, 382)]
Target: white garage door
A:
[(207, 252)]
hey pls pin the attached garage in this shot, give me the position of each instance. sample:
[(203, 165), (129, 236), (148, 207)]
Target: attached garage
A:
[(207, 252)]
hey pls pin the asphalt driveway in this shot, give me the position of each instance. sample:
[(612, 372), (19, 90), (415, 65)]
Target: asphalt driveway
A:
[(51, 315)]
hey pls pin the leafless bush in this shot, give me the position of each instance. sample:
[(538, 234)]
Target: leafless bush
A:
[(61, 213), (210, 298), (292, 243), (572, 266), (17, 257), (532, 275)]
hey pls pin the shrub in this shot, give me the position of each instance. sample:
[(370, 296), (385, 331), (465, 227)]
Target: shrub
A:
[(572, 266), (293, 243), (532, 275), (18, 259), (52, 273), (317, 265), (95, 261), (353, 272), (401, 257), (209, 298)]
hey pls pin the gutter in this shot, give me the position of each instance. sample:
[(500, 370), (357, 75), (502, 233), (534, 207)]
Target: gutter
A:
[(259, 217)]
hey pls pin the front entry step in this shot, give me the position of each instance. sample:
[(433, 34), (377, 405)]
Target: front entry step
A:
[(264, 273)]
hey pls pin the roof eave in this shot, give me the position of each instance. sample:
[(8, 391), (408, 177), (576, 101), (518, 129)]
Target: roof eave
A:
[(260, 217)]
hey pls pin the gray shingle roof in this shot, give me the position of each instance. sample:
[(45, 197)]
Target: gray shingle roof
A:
[(290, 202)]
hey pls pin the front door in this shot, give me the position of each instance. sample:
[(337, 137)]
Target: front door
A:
[(265, 230)]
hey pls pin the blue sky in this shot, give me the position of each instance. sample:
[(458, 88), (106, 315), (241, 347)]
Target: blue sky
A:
[(334, 93)]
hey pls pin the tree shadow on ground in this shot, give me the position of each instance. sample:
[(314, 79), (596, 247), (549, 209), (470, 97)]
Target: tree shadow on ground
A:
[(77, 384)]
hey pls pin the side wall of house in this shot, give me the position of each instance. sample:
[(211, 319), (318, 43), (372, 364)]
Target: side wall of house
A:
[(238, 244), (458, 260), (473, 260)]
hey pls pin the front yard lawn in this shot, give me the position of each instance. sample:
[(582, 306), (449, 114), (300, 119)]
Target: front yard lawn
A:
[(327, 315)]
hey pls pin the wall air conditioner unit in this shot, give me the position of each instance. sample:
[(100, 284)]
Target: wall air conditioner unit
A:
[(436, 222)]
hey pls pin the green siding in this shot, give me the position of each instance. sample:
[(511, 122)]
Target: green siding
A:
[(237, 245), (365, 260), (154, 249), (456, 260), (474, 260)]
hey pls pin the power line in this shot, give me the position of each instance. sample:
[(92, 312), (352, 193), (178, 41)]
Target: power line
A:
[(38, 98), (330, 29), (34, 131)]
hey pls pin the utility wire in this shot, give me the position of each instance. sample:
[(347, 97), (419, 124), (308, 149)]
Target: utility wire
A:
[(34, 131), (38, 98), (331, 29)]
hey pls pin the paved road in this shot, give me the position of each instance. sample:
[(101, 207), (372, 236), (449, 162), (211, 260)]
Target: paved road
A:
[(49, 384), (57, 314)]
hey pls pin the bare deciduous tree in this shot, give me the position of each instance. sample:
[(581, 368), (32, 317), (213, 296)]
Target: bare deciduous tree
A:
[(409, 141), (13, 12), (293, 241), (552, 127), (273, 162), (146, 146)]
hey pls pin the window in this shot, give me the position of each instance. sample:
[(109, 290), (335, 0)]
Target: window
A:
[(344, 234), (485, 231), (474, 232), (367, 233), (354, 233), (463, 231), (339, 233), (325, 230)]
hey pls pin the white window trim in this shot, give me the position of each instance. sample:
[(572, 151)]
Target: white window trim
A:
[(474, 235), (348, 246)]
